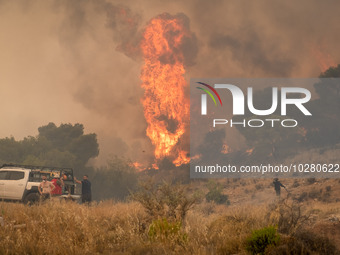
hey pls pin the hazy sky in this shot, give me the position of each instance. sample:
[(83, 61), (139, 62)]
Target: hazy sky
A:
[(77, 61)]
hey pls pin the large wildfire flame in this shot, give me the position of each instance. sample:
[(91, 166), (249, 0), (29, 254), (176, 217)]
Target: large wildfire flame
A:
[(166, 109)]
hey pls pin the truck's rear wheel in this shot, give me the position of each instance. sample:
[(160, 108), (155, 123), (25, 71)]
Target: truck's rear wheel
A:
[(31, 198)]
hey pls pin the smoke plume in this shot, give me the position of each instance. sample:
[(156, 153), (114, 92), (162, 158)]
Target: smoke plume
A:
[(69, 61)]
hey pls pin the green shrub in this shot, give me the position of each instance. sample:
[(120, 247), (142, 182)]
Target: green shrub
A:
[(261, 239), (215, 194), (163, 231)]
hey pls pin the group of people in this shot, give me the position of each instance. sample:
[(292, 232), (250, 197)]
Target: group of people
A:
[(57, 186)]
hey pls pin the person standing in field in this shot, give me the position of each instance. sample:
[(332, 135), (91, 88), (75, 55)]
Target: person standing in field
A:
[(277, 186), (45, 188), (58, 184), (86, 193)]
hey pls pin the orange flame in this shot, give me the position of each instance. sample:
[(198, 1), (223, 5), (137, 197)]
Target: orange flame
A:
[(181, 159), (166, 109), (154, 166), (225, 149), (139, 167), (250, 151)]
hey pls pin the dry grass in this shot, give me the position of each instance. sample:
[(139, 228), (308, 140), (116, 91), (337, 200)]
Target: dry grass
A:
[(123, 228), (69, 228)]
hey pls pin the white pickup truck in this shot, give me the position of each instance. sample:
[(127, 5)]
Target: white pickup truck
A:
[(20, 182)]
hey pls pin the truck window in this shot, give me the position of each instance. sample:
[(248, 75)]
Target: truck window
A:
[(16, 175), (35, 177), (3, 175)]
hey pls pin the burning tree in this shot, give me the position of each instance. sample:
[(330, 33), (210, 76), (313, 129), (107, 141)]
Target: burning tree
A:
[(166, 108)]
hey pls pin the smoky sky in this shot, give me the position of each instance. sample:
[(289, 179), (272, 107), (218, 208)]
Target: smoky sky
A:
[(69, 61)]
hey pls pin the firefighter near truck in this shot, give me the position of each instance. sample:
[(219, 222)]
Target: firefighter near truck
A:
[(21, 182)]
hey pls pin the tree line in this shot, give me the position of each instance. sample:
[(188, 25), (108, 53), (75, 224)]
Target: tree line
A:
[(67, 146)]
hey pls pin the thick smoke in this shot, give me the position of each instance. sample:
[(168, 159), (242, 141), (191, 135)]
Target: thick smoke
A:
[(261, 39), (126, 29), (250, 49), (79, 60)]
